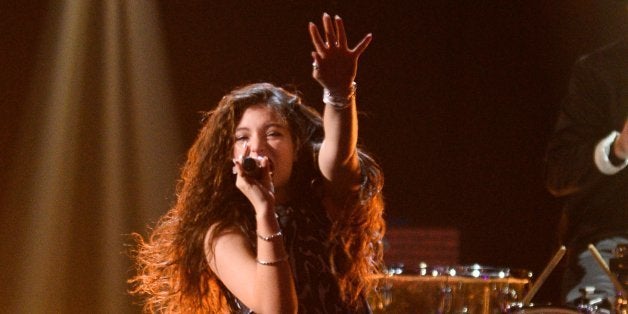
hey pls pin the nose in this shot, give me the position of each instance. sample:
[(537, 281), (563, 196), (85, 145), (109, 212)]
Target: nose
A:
[(257, 146)]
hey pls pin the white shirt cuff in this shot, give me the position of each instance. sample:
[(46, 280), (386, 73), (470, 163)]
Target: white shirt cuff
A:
[(600, 156)]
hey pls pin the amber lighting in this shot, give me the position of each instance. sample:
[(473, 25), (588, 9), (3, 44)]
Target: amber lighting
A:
[(105, 159)]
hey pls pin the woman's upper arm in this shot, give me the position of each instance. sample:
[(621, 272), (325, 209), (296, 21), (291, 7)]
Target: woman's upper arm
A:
[(231, 258), (346, 179)]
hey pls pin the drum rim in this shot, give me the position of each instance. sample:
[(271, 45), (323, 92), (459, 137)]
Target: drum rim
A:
[(464, 271)]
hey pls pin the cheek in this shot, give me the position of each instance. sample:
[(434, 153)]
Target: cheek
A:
[(286, 157), (284, 172), (288, 164)]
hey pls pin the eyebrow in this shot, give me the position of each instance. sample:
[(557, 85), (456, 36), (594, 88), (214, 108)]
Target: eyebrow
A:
[(266, 126)]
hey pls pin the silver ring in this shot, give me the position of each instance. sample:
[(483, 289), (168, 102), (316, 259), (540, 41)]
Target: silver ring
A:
[(315, 66)]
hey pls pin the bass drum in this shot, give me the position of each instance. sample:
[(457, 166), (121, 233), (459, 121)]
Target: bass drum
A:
[(448, 289)]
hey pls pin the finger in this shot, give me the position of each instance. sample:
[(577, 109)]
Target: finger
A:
[(234, 169), (361, 46), (330, 33), (268, 177), (237, 166), (317, 40), (244, 151), (265, 164), (247, 150), (316, 59), (342, 35)]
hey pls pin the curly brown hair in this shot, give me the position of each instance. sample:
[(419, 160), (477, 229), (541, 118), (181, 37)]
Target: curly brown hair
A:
[(172, 272)]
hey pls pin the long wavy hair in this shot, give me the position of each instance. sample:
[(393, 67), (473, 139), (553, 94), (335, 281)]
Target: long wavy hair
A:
[(173, 275)]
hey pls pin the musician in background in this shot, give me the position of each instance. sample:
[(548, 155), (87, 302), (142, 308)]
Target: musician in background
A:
[(586, 165)]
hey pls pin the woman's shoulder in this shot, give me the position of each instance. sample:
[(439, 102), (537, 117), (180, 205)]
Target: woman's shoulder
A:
[(224, 233), (223, 243), (220, 229)]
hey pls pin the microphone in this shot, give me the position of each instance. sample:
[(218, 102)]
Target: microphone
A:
[(251, 169)]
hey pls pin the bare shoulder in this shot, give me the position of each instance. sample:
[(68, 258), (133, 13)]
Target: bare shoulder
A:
[(221, 245)]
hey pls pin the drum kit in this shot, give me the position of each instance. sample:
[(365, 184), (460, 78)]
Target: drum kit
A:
[(480, 289)]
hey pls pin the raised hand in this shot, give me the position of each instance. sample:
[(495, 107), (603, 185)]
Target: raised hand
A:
[(335, 64)]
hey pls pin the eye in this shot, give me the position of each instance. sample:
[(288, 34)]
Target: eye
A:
[(239, 138), (274, 133), (276, 130)]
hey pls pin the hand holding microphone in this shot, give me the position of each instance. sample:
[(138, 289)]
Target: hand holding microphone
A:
[(251, 167), (254, 176)]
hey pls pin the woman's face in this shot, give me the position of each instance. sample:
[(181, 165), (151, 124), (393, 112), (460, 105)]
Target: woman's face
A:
[(263, 132)]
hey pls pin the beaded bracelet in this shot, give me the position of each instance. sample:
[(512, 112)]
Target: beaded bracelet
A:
[(340, 102), (270, 237), (271, 263)]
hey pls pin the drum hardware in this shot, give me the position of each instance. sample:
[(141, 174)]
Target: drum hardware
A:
[(526, 307), (620, 288), (446, 300), (618, 265), (618, 285), (591, 302)]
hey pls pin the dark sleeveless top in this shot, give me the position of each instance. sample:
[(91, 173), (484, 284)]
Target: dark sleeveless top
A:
[(306, 233)]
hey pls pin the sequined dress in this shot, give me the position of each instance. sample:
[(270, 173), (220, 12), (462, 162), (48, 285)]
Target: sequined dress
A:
[(306, 232)]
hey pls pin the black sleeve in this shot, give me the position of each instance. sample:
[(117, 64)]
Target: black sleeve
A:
[(584, 119)]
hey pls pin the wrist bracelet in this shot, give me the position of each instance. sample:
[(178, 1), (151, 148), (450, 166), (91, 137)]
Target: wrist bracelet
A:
[(339, 102), (270, 263), (270, 237)]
